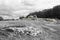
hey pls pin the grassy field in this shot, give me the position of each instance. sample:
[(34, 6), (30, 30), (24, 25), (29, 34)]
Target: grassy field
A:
[(41, 29)]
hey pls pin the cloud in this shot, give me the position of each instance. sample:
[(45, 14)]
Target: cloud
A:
[(17, 8)]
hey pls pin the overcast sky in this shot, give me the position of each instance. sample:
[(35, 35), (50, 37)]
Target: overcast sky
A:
[(18, 8)]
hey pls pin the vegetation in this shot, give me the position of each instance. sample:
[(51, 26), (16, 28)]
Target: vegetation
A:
[(27, 29), (48, 13), (1, 18), (21, 17)]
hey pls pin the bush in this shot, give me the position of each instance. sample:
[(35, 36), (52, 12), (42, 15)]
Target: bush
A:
[(1, 18), (21, 17)]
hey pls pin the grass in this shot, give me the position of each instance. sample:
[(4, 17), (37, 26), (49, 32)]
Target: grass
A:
[(27, 29)]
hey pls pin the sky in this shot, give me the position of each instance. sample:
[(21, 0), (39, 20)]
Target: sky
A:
[(18, 8)]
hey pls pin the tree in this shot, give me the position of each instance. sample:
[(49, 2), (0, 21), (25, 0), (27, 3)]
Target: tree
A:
[(48, 13), (56, 11), (39, 14)]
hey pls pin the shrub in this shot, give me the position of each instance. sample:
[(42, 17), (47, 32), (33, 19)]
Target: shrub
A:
[(1, 18)]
